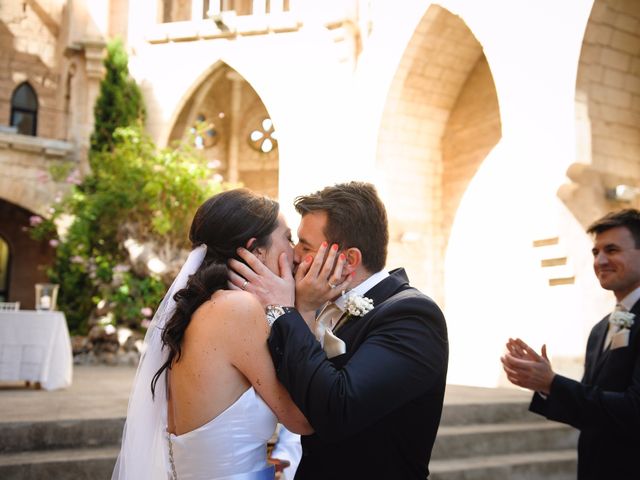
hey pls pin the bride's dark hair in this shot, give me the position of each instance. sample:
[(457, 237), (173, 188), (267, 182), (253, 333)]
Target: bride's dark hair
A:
[(223, 223)]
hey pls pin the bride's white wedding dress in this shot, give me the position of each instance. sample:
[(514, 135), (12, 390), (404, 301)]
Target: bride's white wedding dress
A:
[(232, 446)]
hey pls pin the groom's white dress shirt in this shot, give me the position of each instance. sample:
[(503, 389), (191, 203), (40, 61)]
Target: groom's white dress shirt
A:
[(332, 312)]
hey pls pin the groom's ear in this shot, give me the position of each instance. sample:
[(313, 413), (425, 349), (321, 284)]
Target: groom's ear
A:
[(354, 259)]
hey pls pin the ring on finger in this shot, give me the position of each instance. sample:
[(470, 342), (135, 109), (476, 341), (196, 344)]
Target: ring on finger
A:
[(244, 285), (331, 285)]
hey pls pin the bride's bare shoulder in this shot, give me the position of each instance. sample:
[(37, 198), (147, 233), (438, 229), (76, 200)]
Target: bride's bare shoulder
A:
[(229, 306)]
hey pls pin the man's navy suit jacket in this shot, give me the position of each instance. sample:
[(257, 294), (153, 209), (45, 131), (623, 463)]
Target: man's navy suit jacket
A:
[(604, 406), (375, 409)]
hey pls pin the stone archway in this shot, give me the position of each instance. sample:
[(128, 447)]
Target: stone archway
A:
[(234, 135), (440, 121)]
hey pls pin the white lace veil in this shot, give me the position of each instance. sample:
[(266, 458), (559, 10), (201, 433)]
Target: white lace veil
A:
[(144, 453)]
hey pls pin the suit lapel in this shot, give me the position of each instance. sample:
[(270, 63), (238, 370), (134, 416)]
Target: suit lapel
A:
[(597, 355), (379, 293)]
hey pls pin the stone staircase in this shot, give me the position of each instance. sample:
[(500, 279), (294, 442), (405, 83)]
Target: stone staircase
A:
[(502, 441), (492, 441), (60, 450)]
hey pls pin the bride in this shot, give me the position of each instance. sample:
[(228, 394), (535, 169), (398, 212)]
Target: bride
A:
[(205, 398)]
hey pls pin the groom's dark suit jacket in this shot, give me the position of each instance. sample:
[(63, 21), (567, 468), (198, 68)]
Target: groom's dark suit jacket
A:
[(376, 408), (605, 406)]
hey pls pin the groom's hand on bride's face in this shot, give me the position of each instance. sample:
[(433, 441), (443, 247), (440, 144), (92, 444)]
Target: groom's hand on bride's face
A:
[(321, 278), (256, 278)]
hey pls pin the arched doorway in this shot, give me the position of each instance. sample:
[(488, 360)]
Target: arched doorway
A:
[(234, 129), (5, 265), (440, 121), (23, 260)]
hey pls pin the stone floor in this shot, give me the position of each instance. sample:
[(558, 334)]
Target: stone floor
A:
[(103, 392)]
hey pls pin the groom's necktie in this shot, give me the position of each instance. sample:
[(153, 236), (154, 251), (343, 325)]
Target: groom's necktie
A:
[(612, 328), (328, 317)]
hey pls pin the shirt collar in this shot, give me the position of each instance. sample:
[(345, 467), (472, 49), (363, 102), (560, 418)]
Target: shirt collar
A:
[(630, 300), (363, 288)]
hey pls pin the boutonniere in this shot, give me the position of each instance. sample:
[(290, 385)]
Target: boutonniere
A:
[(357, 305), (622, 319)]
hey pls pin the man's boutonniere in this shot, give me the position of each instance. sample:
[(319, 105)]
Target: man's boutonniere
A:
[(357, 305), (622, 319)]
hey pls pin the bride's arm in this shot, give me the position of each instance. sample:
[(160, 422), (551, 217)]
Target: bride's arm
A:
[(250, 355)]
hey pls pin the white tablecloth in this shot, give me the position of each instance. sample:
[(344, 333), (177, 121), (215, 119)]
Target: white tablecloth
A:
[(35, 346)]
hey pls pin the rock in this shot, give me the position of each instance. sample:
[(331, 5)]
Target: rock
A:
[(80, 344)]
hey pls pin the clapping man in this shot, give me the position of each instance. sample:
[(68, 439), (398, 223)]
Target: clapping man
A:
[(605, 405)]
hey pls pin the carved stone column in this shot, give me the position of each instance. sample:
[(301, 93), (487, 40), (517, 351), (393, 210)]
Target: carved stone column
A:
[(233, 144), (93, 56)]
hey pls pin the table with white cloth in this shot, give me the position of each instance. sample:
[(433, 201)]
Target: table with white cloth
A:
[(35, 347)]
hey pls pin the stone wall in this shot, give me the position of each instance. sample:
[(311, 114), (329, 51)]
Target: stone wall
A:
[(28, 52), (609, 76)]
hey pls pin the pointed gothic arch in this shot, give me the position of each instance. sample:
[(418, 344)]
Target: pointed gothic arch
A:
[(441, 119), (224, 112)]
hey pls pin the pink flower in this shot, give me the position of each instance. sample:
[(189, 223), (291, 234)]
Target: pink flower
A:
[(35, 220), (54, 243), (146, 311), (77, 259), (74, 178), (145, 323)]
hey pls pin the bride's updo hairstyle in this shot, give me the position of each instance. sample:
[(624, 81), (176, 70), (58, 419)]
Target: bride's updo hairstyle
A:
[(223, 223)]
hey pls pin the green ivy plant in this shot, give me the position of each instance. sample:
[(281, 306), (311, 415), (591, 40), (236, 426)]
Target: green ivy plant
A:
[(135, 194), (139, 194)]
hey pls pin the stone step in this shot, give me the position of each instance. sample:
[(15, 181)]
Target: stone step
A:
[(496, 439), (544, 465), (64, 464), (485, 413), (51, 435)]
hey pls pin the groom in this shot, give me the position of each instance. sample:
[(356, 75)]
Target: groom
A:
[(375, 399)]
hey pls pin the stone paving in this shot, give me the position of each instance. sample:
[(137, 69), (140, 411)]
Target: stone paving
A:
[(103, 392)]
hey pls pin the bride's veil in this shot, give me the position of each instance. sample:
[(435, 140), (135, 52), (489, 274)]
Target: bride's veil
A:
[(144, 450)]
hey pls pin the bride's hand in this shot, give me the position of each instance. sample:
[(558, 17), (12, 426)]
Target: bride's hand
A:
[(318, 281), (255, 277)]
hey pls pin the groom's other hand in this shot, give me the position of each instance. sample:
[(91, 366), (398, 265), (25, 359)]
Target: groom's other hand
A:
[(255, 277), (320, 279)]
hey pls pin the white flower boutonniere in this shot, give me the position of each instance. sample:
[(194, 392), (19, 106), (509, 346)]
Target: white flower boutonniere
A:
[(358, 306), (622, 319)]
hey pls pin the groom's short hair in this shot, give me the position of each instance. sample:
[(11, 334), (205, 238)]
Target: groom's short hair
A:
[(356, 217), (628, 218)]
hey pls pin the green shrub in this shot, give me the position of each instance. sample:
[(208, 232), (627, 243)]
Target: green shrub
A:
[(134, 193)]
